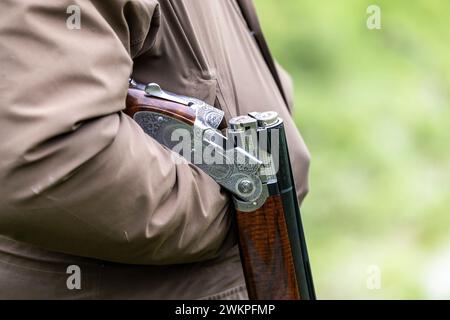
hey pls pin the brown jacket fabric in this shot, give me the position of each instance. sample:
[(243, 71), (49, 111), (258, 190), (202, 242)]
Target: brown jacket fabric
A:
[(81, 184)]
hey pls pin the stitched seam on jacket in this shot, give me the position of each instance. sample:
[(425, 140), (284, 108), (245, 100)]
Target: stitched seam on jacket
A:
[(31, 268), (225, 294)]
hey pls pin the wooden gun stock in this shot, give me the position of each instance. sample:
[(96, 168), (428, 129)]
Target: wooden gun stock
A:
[(137, 101), (268, 235), (266, 253)]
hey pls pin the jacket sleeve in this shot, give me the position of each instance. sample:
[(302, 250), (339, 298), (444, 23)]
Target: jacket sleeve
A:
[(76, 174)]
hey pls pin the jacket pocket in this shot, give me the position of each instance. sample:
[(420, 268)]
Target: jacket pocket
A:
[(176, 61), (202, 76)]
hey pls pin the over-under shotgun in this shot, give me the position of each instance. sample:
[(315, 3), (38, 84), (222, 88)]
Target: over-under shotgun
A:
[(252, 162)]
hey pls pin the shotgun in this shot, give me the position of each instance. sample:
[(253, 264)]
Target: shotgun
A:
[(251, 161)]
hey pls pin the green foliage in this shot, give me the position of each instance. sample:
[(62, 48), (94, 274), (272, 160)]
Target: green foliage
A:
[(373, 107)]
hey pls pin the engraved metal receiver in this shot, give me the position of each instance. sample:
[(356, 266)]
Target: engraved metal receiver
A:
[(231, 159), (251, 161)]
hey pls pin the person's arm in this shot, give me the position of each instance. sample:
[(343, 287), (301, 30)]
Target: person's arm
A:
[(76, 174)]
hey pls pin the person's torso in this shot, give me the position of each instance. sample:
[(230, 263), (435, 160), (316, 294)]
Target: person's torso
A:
[(205, 50)]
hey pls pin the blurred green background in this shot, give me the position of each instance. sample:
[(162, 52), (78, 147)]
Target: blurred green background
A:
[(373, 107)]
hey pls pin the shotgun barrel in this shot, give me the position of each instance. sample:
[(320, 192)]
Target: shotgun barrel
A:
[(288, 192), (259, 177)]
